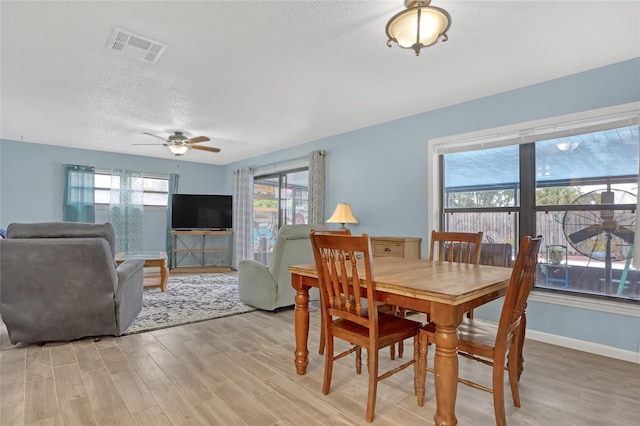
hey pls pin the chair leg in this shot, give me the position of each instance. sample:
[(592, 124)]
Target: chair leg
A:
[(401, 312), (514, 353), (359, 360), (372, 361), (328, 367), (416, 366), (498, 390), (421, 369), (398, 311), (321, 344)]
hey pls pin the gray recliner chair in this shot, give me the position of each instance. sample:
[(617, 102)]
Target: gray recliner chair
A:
[(269, 288), (59, 282)]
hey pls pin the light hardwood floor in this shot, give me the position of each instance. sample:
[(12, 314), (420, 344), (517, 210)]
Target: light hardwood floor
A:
[(239, 371)]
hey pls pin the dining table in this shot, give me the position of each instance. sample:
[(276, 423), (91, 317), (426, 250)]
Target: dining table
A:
[(444, 290)]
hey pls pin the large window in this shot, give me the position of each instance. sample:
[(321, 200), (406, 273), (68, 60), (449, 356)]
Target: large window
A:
[(156, 189), (278, 199), (578, 192)]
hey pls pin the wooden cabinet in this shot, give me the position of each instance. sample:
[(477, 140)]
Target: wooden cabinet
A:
[(198, 251), (408, 247)]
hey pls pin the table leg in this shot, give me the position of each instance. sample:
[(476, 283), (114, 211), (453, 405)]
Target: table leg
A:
[(301, 323), (164, 276), (446, 369)]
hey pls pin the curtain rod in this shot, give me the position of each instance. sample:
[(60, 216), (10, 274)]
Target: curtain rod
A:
[(277, 163)]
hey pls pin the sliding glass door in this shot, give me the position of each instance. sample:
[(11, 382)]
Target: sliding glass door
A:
[(278, 199)]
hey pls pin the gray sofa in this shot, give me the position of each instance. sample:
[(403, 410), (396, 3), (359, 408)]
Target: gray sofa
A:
[(59, 282), (269, 288)]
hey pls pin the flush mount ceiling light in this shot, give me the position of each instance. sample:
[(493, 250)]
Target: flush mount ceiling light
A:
[(420, 25)]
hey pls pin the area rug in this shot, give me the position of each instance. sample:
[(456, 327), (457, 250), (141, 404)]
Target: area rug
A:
[(188, 299)]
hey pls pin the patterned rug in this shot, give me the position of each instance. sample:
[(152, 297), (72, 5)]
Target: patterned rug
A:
[(189, 298)]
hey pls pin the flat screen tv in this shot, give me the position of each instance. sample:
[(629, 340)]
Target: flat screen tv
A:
[(198, 211)]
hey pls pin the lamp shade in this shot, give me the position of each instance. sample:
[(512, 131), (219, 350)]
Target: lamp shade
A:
[(178, 149), (342, 214), (418, 26)]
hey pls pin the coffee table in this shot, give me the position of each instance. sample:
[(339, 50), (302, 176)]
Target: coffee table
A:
[(151, 259)]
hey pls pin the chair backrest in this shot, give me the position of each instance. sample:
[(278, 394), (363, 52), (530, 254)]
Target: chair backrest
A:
[(342, 262), (520, 285), (292, 247), (64, 230), (496, 254), (463, 247), (344, 231)]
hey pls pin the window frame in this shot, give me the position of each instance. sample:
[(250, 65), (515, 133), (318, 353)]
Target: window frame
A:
[(102, 172), (525, 135)]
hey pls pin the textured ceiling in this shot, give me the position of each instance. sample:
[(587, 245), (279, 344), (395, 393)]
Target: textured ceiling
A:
[(258, 76)]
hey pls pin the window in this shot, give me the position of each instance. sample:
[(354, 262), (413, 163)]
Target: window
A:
[(577, 190), (278, 199), (156, 189)]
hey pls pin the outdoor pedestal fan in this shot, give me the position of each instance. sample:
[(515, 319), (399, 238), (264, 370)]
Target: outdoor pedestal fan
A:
[(602, 233)]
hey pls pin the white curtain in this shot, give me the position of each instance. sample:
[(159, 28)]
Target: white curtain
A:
[(242, 215), (126, 209), (172, 189), (316, 187), (636, 235)]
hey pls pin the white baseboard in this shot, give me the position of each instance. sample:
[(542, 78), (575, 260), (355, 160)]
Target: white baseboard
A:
[(581, 345), (584, 346)]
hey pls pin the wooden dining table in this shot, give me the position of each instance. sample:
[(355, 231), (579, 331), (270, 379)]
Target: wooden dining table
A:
[(444, 290)]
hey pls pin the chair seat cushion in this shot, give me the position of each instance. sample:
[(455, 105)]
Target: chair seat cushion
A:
[(387, 325), (470, 333), (477, 333)]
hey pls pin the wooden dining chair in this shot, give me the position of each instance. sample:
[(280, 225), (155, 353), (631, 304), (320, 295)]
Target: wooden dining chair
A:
[(382, 307), (463, 247), (342, 231), (345, 275), (499, 348)]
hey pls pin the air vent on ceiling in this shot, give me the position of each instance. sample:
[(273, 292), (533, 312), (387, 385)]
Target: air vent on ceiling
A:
[(136, 46)]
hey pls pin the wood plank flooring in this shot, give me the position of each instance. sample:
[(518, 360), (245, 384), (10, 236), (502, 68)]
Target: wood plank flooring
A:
[(239, 371)]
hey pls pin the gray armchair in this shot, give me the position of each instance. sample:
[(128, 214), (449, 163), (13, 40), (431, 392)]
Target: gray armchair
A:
[(59, 282), (269, 288)]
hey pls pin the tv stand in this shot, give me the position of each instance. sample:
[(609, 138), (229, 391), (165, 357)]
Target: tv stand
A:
[(201, 251)]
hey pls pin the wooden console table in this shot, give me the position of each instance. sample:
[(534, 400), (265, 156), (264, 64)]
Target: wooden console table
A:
[(406, 247), (198, 249)]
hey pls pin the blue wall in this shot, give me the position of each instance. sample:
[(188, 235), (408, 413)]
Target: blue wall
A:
[(381, 170), (32, 182)]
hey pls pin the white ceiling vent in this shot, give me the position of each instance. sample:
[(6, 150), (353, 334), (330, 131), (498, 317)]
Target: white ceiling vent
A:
[(136, 46)]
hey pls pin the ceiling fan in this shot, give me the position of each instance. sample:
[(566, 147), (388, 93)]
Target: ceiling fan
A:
[(178, 143)]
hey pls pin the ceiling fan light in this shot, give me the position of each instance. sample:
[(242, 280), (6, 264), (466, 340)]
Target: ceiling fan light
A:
[(420, 25), (178, 149)]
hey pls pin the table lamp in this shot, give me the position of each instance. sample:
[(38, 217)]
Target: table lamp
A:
[(342, 215)]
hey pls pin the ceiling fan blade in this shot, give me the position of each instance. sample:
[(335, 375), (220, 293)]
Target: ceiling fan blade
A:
[(155, 136), (585, 234), (198, 139), (149, 144), (204, 148), (625, 233)]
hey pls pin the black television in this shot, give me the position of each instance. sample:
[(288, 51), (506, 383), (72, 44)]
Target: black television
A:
[(200, 211)]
